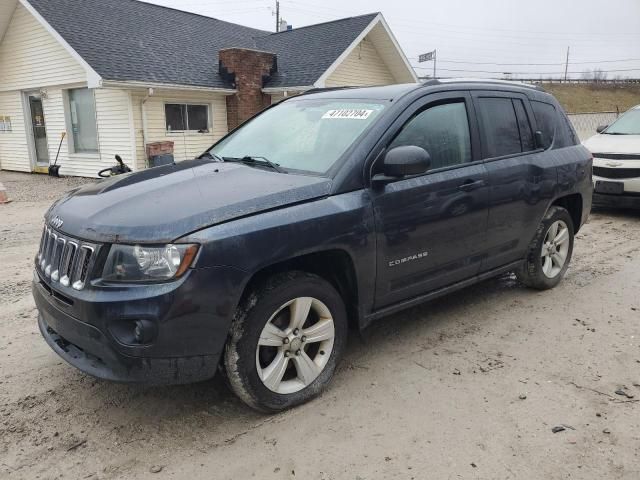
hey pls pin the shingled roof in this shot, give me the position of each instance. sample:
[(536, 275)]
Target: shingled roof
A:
[(129, 40)]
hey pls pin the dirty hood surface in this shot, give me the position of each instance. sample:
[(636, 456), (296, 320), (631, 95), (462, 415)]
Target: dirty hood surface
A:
[(161, 204), (617, 144)]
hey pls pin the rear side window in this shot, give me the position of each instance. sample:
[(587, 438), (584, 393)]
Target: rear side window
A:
[(443, 131), (546, 119), (501, 134)]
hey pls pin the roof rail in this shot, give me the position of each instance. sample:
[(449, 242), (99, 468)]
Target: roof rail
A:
[(326, 89), (441, 81)]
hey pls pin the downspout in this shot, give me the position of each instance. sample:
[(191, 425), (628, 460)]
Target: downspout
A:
[(145, 134)]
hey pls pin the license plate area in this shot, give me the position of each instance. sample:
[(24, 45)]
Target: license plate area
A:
[(609, 188)]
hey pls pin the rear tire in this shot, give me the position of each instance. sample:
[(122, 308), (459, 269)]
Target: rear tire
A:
[(285, 341), (549, 252)]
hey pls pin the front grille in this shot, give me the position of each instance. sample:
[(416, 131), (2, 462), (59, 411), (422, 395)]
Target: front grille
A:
[(605, 172), (64, 259)]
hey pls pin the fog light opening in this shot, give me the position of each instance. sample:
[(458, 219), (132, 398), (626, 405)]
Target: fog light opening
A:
[(143, 332)]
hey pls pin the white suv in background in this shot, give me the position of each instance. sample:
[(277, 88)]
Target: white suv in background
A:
[(616, 161)]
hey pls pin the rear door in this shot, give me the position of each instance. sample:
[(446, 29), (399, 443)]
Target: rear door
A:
[(521, 177), (431, 227)]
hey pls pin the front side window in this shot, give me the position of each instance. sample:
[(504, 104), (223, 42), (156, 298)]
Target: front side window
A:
[(500, 131), (627, 124), (82, 115), (302, 134), (186, 117), (443, 131)]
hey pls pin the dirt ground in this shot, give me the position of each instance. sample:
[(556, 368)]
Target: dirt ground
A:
[(469, 386)]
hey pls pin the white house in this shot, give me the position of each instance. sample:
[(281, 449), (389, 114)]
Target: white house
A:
[(118, 75)]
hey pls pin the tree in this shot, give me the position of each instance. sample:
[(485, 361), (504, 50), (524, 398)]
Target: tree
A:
[(596, 75)]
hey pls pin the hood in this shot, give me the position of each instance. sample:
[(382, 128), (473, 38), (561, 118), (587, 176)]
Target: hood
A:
[(616, 144), (161, 204)]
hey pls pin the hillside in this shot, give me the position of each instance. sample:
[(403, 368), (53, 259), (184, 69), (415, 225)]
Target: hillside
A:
[(576, 98)]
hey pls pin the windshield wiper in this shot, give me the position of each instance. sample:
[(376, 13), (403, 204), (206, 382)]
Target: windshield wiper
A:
[(213, 156), (252, 160)]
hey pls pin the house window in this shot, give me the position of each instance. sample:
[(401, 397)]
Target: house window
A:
[(5, 124), (82, 116), (186, 117)]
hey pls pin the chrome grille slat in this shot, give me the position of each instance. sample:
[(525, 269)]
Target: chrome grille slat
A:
[(67, 262), (56, 258), (81, 260), (51, 246), (64, 259)]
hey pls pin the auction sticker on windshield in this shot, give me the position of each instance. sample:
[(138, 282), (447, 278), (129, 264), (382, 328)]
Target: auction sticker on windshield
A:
[(348, 113)]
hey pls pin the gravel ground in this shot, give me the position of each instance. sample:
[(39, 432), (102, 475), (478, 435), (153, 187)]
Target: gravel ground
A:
[(469, 386)]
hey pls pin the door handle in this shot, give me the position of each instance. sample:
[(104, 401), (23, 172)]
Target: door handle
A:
[(471, 185)]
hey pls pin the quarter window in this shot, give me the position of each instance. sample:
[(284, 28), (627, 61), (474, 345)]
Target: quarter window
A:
[(82, 116), (186, 117), (443, 131), (546, 119), (501, 134)]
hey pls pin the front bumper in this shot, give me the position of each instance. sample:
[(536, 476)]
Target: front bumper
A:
[(629, 198), (192, 318), (617, 201)]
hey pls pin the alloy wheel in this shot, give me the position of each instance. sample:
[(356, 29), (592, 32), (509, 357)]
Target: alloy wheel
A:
[(295, 345), (555, 249)]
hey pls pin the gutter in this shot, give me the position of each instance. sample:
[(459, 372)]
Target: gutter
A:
[(286, 90), (143, 112), (167, 86)]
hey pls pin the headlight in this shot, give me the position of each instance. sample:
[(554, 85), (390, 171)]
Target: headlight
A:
[(139, 263)]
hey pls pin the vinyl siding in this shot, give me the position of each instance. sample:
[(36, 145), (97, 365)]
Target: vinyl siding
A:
[(31, 58), (277, 97), (188, 144), (363, 66), (14, 153), (115, 127)]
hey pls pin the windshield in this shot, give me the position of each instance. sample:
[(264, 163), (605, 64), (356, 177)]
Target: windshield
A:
[(307, 135), (627, 124)]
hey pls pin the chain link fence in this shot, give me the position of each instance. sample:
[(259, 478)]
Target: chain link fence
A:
[(586, 123)]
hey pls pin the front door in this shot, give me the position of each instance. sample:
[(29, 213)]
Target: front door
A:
[(431, 228), (38, 130)]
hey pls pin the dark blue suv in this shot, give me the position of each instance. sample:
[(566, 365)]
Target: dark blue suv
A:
[(329, 210)]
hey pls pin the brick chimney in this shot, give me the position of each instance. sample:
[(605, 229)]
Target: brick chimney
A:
[(248, 71)]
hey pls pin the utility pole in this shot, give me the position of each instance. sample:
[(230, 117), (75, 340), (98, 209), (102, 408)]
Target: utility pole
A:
[(566, 66), (434, 64), (277, 16)]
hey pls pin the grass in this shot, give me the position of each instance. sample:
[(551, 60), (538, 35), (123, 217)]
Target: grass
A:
[(594, 98)]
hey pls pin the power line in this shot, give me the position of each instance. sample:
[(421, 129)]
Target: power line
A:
[(536, 64), (524, 73)]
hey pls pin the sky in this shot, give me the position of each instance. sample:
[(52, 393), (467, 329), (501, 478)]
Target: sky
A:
[(474, 38)]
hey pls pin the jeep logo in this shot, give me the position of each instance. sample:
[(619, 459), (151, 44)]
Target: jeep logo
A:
[(56, 222)]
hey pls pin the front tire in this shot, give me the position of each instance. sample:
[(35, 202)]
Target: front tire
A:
[(549, 252), (286, 339)]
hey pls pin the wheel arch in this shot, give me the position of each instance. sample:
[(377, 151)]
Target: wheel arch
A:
[(334, 265), (573, 203)]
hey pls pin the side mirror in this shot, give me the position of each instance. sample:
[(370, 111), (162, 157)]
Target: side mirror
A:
[(601, 128), (538, 138), (406, 160)]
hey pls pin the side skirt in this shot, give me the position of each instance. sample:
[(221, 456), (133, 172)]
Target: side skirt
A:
[(412, 302)]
